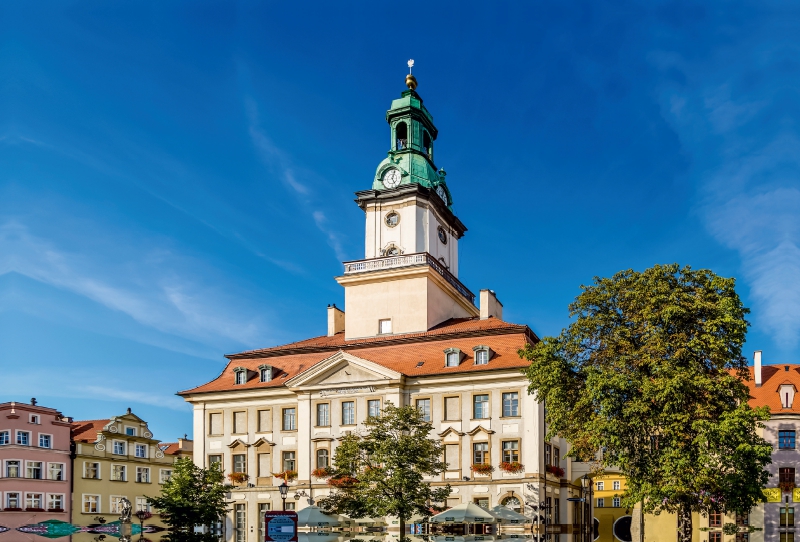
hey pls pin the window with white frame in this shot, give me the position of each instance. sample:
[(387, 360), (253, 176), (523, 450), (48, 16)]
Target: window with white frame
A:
[(601, 502), (601, 486), (91, 504), (5, 438), (511, 404), (34, 470), (374, 407), (120, 447), (615, 484), (615, 502), (240, 375), (323, 414), (141, 450), (239, 463), (452, 357), (34, 501), (289, 419), (384, 326), (45, 441), (91, 470), (348, 412), (34, 418), (424, 407), (143, 475), (13, 468), (482, 355), (116, 504), (55, 471), (265, 372), (12, 500), (23, 438), (323, 458), (55, 501), (142, 505), (164, 475), (480, 406), (130, 431), (118, 473)]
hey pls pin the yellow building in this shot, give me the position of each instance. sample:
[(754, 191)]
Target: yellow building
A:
[(115, 459)]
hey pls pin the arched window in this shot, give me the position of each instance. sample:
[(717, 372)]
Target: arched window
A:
[(512, 503), (391, 250), (265, 372), (240, 375), (323, 459), (401, 136), (427, 144)]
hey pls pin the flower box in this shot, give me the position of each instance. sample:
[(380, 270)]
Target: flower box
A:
[(344, 481), (786, 486), (512, 467), (34, 510), (322, 472), (55, 509), (287, 475), (482, 468), (238, 477), (12, 509), (558, 472)]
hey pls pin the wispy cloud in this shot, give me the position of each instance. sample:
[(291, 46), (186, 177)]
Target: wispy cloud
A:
[(334, 239), (155, 399)]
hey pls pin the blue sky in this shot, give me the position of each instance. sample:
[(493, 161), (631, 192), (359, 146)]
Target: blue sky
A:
[(176, 178)]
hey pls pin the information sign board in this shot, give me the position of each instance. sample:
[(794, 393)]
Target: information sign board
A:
[(281, 526)]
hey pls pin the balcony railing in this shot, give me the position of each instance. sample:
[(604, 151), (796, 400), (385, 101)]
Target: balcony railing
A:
[(408, 260)]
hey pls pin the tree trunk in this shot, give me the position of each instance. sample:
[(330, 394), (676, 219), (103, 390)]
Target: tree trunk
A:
[(403, 529), (685, 523)]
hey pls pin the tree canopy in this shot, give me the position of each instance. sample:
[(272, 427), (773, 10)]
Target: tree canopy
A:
[(380, 470), (649, 378), (192, 496)]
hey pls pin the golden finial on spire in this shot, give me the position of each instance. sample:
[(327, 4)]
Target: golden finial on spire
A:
[(411, 81)]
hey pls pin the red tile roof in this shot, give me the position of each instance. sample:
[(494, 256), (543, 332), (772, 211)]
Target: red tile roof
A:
[(772, 377), (401, 353), (169, 448), (86, 430)]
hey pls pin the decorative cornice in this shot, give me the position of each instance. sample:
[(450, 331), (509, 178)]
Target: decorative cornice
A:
[(237, 442), (479, 429)]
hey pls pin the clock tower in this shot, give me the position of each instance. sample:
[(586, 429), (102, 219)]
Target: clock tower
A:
[(408, 279)]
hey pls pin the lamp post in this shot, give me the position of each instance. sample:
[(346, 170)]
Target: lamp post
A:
[(585, 485), (284, 489)]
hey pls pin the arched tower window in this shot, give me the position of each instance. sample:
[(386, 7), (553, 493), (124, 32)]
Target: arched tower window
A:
[(427, 144), (401, 136)]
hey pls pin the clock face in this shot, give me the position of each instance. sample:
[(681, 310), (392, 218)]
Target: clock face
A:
[(442, 194), (391, 179), (442, 235)]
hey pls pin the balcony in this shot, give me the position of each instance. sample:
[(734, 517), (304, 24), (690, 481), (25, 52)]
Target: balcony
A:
[(408, 260)]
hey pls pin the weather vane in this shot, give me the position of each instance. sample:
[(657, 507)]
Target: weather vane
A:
[(410, 65), (411, 81)]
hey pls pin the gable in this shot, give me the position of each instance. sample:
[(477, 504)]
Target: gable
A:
[(343, 368)]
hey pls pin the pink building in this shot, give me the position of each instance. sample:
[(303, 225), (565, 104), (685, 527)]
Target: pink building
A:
[(35, 462)]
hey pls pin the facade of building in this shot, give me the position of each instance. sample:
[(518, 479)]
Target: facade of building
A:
[(114, 459), (35, 462), (411, 334)]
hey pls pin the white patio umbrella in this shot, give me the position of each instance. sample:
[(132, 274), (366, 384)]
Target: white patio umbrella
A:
[(312, 516), (467, 512), (320, 537), (508, 516)]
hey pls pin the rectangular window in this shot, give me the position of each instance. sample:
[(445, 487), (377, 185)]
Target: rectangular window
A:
[(348, 413), (91, 470), (265, 421), (23, 438), (384, 326), (91, 504), (214, 459), (785, 537), (557, 511), (291, 505), (239, 463), (55, 471), (118, 473), (786, 440), (143, 475), (240, 377), (452, 456), (5, 438), (548, 510), (548, 454), (13, 469), (452, 408), (323, 458), (34, 501), (374, 407), (323, 415), (55, 502), (480, 453), (510, 451), (45, 441), (240, 422), (12, 500), (34, 470), (164, 475), (142, 505), (424, 407), (601, 486), (715, 536), (511, 404), (263, 507), (34, 418), (119, 448), (141, 451), (615, 502), (480, 409), (556, 456), (786, 516), (483, 502), (289, 419), (714, 519), (786, 475), (264, 465), (481, 357), (742, 537), (452, 359), (215, 423), (130, 431), (289, 461), (615, 485), (601, 502), (116, 504)]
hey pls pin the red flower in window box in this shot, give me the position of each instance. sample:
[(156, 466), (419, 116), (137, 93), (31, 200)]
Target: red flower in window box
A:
[(287, 475), (238, 477), (482, 468), (322, 472), (12, 509), (786, 486), (34, 509), (555, 471), (55, 509), (512, 466), (343, 481)]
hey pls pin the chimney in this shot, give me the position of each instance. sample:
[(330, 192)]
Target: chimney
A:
[(335, 320), (33, 401), (757, 367), (490, 305)]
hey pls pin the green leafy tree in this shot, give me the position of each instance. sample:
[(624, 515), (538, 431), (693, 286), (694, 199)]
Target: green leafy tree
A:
[(379, 471), (648, 378), (192, 496)]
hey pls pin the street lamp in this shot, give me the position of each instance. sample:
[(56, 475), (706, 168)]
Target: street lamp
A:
[(284, 489), (585, 484)]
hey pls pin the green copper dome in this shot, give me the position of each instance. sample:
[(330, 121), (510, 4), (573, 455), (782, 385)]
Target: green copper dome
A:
[(412, 137)]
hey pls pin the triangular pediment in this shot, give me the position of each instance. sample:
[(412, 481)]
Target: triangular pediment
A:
[(343, 370), (480, 431), (238, 443)]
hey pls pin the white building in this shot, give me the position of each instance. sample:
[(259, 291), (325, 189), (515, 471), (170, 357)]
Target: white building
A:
[(411, 334)]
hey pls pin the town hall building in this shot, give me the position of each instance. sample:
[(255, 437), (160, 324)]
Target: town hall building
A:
[(410, 333)]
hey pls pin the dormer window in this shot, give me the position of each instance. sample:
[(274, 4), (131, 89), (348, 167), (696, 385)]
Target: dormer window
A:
[(240, 375), (452, 357), (786, 392), (482, 354), (34, 418), (265, 371)]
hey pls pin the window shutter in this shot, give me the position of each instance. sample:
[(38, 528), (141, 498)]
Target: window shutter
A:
[(265, 420), (240, 422), (452, 408), (215, 421), (451, 456), (264, 465)]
